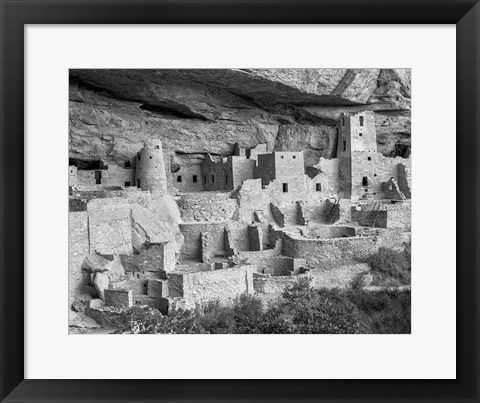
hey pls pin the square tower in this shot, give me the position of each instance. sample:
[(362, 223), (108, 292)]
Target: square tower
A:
[(357, 152)]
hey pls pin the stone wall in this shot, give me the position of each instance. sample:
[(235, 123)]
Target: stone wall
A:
[(316, 251), (150, 168), (78, 248), (242, 169), (327, 177), (192, 247), (327, 231), (216, 174), (72, 175), (238, 235), (372, 218), (223, 285), (110, 226), (252, 198), (337, 274), (265, 169), (188, 178), (266, 284), (207, 206), (85, 177), (114, 175), (119, 176), (404, 179), (400, 216)]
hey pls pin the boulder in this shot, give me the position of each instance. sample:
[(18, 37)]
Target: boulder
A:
[(81, 320), (100, 281)]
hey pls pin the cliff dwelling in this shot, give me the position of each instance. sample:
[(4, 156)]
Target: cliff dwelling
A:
[(215, 192)]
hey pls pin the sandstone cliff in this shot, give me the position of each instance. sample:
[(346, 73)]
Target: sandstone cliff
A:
[(112, 112)]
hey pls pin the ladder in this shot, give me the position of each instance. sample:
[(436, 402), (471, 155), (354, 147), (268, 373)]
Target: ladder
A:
[(375, 210), (397, 188), (330, 215)]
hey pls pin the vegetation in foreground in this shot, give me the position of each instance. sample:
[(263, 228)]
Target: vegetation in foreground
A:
[(390, 267), (301, 309)]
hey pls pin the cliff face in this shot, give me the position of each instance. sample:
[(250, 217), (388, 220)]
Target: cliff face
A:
[(112, 112)]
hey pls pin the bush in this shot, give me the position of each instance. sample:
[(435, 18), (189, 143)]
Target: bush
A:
[(301, 309), (390, 267), (215, 318), (386, 312), (314, 311), (140, 319), (247, 313)]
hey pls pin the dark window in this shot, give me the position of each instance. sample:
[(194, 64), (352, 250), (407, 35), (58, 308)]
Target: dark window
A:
[(360, 134), (281, 156), (343, 121), (374, 174), (318, 187), (98, 177), (138, 156), (127, 164), (337, 130), (344, 145), (369, 158), (213, 178), (157, 147), (204, 179), (127, 184), (179, 178), (226, 178), (138, 183), (194, 178), (361, 120), (365, 181), (150, 157), (285, 187), (294, 156)]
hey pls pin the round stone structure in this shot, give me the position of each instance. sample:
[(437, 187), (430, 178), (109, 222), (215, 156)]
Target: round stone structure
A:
[(150, 169)]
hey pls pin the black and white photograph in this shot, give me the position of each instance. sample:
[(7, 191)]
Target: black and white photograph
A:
[(239, 201)]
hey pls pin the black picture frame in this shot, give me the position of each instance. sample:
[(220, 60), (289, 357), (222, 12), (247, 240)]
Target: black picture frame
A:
[(15, 14)]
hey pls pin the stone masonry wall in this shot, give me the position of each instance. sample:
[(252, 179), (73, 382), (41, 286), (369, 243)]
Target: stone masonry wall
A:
[(316, 251), (223, 285), (191, 249), (72, 175), (400, 216), (266, 284), (265, 169), (188, 179), (337, 275), (242, 169), (327, 231), (207, 206), (371, 218), (78, 248), (377, 170), (110, 226)]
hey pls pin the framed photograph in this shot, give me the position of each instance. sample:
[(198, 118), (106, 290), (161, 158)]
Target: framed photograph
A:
[(240, 201)]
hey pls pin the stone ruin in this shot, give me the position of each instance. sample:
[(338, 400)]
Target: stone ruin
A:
[(253, 222)]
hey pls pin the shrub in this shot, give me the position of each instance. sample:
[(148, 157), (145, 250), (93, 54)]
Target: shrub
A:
[(312, 311), (179, 321), (247, 313), (391, 267), (383, 311), (215, 318), (140, 319)]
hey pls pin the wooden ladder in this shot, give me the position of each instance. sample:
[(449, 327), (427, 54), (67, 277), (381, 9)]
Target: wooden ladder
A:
[(376, 209), (336, 203)]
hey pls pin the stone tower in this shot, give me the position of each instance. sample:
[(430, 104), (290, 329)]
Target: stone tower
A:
[(357, 154), (150, 168)]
